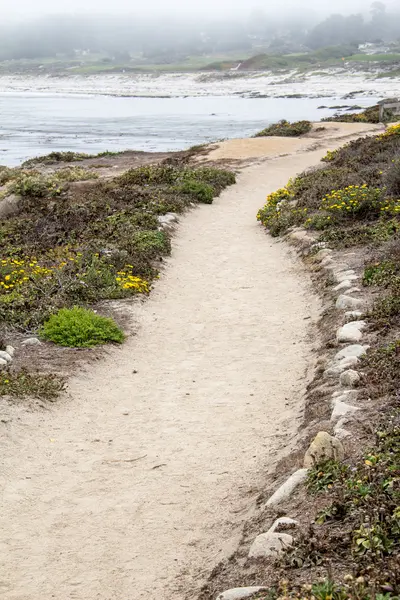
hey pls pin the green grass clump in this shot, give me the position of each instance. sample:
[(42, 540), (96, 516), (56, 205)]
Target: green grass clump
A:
[(197, 190), (57, 157), (21, 384), (286, 129), (81, 328)]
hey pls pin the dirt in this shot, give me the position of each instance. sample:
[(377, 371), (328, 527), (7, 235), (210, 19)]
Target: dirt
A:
[(140, 480)]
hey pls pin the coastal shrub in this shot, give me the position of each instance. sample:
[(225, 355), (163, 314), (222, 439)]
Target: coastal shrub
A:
[(197, 190), (80, 328), (36, 185), (68, 156), (286, 129), (369, 115), (149, 174), (6, 175), (392, 131), (218, 178), (310, 187), (280, 212), (360, 234), (354, 201)]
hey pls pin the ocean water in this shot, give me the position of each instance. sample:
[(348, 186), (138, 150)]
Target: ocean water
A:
[(36, 123)]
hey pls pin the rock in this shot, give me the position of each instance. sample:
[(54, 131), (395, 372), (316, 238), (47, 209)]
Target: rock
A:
[(351, 332), (342, 434), (286, 489), (5, 356), (168, 219), (239, 593), (340, 409), (3, 362), (353, 315), (31, 342), (346, 276), (326, 261), (335, 368), (349, 378), (270, 544), (342, 286), (302, 237), (353, 290), (321, 245), (347, 302), (282, 524), (323, 447), (354, 350), (324, 253), (10, 350), (9, 206)]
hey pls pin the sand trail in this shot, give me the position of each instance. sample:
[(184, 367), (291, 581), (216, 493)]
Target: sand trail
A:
[(135, 485)]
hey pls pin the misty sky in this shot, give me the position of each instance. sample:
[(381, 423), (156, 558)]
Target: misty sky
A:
[(181, 7)]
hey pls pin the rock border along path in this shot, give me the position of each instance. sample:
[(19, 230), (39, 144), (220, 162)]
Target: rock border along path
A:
[(147, 471)]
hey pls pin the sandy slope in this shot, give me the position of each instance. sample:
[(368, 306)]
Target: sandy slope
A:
[(144, 476)]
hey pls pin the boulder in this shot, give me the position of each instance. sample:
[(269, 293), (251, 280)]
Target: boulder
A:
[(351, 332), (286, 489), (270, 544), (3, 362), (10, 350), (323, 447), (5, 356), (349, 378), (340, 409), (239, 593), (31, 342), (354, 350), (324, 253), (348, 303), (9, 206), (342, 286)]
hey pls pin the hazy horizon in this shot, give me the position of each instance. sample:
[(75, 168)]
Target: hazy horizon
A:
[(181, 8)]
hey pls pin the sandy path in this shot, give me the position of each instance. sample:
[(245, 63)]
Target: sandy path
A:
[(142, 476)]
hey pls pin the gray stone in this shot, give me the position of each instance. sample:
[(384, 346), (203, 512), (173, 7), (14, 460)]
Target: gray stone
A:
[(342, 286), (270, 544), (348, 303), (349, 378), (5, 356), (31, 342), (326, 261), (335, 368), (342, 434), (286, 489), (323, 447), (345, 276), (324, 253), (345, 395), (354, 350), (168, 219), (340, 409), (283, 523), (351, 332), (10, 350), (10, 206), (3, 362), (239, 593)]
